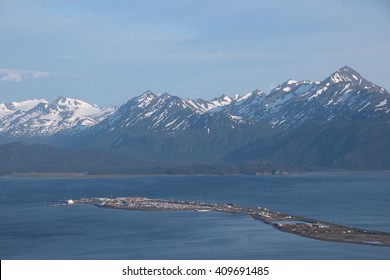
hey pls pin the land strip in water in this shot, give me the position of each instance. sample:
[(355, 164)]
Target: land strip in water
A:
[(298, 225)]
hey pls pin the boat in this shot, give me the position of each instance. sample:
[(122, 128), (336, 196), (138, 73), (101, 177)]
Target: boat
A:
[(202, 210)]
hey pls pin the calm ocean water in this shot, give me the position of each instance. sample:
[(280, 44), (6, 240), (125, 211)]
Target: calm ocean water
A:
[(31, 230)]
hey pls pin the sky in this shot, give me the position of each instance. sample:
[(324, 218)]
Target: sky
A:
[(107, 52)]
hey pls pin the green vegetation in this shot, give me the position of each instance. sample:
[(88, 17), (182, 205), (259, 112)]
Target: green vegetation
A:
[(361, 145)]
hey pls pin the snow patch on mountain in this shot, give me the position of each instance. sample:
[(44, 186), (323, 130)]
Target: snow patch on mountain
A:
[(382, 103), (26, 104), (342, 95), (40, 118), (275, 105)]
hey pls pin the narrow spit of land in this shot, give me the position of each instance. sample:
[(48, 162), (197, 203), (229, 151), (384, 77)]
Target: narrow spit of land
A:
[(298, 225)]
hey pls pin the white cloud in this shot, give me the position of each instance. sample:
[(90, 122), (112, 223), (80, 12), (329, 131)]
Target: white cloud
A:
[(17, 75), (11, 77)]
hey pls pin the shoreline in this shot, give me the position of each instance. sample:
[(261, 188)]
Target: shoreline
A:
[(66, 175)]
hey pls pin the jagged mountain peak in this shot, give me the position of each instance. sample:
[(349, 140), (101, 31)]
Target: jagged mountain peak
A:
[(289, 86), (258, 92), (221, 97), (216, 104), (147, 98), (347, 69), (290, 82), (148, 93), (222, 100), (344, 94), (345, 74), (252, 94), (72, 103)]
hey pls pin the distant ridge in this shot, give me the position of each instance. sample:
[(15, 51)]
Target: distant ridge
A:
[(342, 122), (344, 94)]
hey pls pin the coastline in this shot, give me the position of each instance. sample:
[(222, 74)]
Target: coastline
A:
[(113, 175)]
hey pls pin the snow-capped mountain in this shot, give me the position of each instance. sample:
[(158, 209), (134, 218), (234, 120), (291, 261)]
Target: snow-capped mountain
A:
[(246, 106), (38, 117), (343, 95), (7, 109), (161, 112)]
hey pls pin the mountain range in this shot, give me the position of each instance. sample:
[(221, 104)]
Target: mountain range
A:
[(38, 117), (340, 122)]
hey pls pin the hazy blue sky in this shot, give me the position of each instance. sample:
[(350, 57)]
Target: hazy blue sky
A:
[(107, 52)]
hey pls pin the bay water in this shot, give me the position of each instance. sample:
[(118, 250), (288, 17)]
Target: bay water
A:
[(30, 229)]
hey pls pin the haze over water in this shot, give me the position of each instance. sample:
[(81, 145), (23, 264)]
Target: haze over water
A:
[(29, 229)]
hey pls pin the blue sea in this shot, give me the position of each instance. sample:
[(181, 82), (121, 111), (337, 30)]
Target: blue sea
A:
[(30, 229)]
